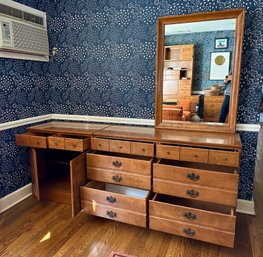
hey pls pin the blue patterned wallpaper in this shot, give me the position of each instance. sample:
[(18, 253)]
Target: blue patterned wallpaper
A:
[(202, 53), (106, 67)]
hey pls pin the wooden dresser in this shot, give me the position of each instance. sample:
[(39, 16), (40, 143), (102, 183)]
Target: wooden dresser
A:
[(179, 182)]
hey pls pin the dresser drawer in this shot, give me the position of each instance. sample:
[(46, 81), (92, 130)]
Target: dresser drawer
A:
[(127, 198), (167, 152), (119, 177), (31, 140), (142, 149), (193, 212), (117, 162), (225, 158), (193, 154), (100, 144), (214, 224), (196, 174), (117, 214), (68, 142), (196, 192)]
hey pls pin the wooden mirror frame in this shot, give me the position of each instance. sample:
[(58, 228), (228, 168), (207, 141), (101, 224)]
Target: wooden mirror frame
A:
[(230, 127)]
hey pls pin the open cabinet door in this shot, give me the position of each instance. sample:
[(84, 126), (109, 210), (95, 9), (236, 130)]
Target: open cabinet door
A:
[(77, 178), (34, 173)]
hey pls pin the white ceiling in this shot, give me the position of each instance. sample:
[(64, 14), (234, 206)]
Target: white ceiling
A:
[(201, 26)]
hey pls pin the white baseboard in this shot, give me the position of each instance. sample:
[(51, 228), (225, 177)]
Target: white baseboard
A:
[(14, 198), (246, 207)]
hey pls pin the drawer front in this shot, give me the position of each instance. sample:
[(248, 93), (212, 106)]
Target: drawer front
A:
[(22, 139), (113, 199), (200, 193), (142, 149), (193, 216), (120, 178), (38, 141), (142, 167), (167, 152), (206, 234), (224, 158), (77, 144), (193, 154), (56, 142), (185, 82), (100, 144), (119, 146), (112, 213), (186, 92), (195, 176)]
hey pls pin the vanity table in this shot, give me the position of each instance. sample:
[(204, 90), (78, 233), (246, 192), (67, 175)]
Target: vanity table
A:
[(184, 183)]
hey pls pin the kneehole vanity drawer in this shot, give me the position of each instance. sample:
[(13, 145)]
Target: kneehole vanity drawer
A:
[(142, 149), (32, 140), (167, 152), (115, 202), (67, 142), (127, 198), (193, 154), (196, 174), (100, 144), (212, 224)]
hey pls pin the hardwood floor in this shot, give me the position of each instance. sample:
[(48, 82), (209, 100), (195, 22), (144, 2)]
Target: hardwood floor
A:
[(35, 229)]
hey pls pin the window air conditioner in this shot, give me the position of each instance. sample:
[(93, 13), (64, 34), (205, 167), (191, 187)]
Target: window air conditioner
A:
[(23, 32)]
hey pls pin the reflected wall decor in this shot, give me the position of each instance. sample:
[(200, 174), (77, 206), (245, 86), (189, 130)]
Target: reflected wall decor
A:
[(219, 66)]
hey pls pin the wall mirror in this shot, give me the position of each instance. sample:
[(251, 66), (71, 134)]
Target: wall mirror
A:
[(194, 55)]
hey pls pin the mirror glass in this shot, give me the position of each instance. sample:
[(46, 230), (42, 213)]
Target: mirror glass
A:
[(194, 71)]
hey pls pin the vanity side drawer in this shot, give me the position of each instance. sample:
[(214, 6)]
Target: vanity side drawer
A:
[(196, 176), (223, 220), (205, 234), (117, 214), (193, 154), (143, 149), (224, 158), (119, 146), (100, 144), (56, 142), (131, 165), (22, 139), (167, 152), (97, 192), (196, 192), (120, 178)]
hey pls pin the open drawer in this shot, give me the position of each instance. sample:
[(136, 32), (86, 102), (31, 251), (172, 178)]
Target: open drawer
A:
[(133, 171), (189, 218), (121, 203), (69, 142), (36, 140)]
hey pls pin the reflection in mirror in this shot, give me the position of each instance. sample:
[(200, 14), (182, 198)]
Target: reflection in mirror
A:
[(197, 57)]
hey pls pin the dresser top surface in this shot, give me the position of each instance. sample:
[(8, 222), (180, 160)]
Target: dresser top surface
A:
[(141, 133), (171, 136), (68, 127)]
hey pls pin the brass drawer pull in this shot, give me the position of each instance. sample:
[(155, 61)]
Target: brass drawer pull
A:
[(192, 193), (195, 155), (111, 199), (193, 176), (189, 232), (117, 164), (190, 215), (111, 214), (117, 178)]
